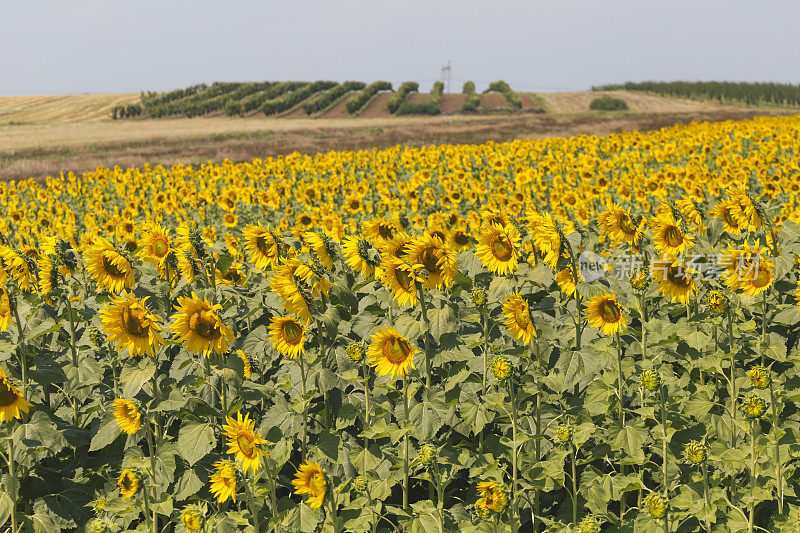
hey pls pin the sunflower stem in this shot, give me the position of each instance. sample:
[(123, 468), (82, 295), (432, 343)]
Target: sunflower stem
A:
[(763, 328), (251, 502), (151, 445), (778, 466), (74, 352), (23, 357), (578, 323), (367, 409), (665, 485), (753, 474), (706, 494), (733, 382), (425, 336), (305, 403), (485, 318), (405, 444), (12, 477), (574, 486), (514, 506)]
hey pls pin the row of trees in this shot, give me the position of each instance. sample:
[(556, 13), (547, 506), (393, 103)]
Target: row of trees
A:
[(432, 107), (325, 100), (782, 94), (512, 99), (359, 101)]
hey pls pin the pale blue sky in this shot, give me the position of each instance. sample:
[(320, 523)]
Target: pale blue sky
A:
[(76, 46)]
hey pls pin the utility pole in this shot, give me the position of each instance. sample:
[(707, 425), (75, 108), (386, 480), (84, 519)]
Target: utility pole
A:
[(446, 76)]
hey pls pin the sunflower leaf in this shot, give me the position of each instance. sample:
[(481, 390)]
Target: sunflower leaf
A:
[(106, 433), (195, 440)]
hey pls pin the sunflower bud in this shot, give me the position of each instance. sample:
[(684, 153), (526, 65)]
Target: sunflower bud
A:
[(478, 297), (564, 433), (97, 526), (589, 525), (650, 380), (501, 367), (695, 452), (191, 518), (427, 454), (355, 351), (483, 513), (99, 504), (640, 279), (655, 505), (360, 483), (759, 376), (96, 336), (753, 407), (717, 302)]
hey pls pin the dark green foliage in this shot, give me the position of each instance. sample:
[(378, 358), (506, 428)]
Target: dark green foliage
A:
[(473, 100), (324, 100), (256, 100), (512, 98), (780, 94), (608, 103), (432, 107), (126, 111), (357, 102), (291, 99), (400, 96)]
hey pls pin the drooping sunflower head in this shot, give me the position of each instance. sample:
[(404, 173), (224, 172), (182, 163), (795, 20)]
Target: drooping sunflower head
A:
[(361, 256), (127, 322), (391, 353), (244, 442), (379, 230), (675, 280), (127, 415), (5, 309), (434, 260), (248, 370), (262, 245), (459, 239), (668, 237), (401, 280), (110, 269), (223, 481), (128, 483), (12, 402), (517, 318), (322, 246), (498, 248), (566, 281), (191, 518), (310, 480), (198, 326), (492, 496), (725, 210), (288, 336), (605, 313), (233, 276)]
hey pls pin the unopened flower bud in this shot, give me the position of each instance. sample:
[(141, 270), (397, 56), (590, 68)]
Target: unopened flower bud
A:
[(501, 367), (355, 351), (478, 297), (650, 379), (695, 452), (655, 505), (759, 376), (427, 454)]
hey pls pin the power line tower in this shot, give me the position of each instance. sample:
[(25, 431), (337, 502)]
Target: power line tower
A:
[(446, 76)]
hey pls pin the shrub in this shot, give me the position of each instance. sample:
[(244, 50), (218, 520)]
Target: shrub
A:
[(357, 102), (289, 100), (419, 108), (473, 100), (608, 103), (256, 100), (400, 96), (322, 101), (512, 98)]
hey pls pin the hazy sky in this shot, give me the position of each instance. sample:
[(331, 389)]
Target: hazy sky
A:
[(76, 46)]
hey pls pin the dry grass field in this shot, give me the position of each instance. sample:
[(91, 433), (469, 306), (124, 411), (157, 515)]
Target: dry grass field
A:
[(46, 135)]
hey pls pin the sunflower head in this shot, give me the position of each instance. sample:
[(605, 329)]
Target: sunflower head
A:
[(433, 259), (12, 402), (655, 505), (244, 442), (753, 407), (478, 297), (128, 322), (589, 525), (391, 353), (127, 415), (492, 496), (427, 454), (223, 481), (501, 367), (759, 377), (310, 480), (191, 518), (717, 302), (518, 318), (198, 326), (355, 351), (650, 379), (128, 483), (401, 280), (360, 484), (288, 336), (498, 248), (605, 313), (694, 452), (564, 433)]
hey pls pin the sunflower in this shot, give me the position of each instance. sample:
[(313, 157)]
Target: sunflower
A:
[(198, 326), (232, 277), (191, 518), (246, 362), (744, 210), (459, 239), (740, 264), (668, 237), (12, 402), (498, 248), (128, 483), (230, 220), (725, 210), (108, 267), (399, 278), (619, 226), (675, 280), (127, 321), (566, 281), (322, 246), (223, 481), (379, 230), (492, 497), (262, 245), (310, 480), (396, 247), (760, 280), (518, 318), (21, 267), (360, 256), (243, 441), (546, 238), (288, 336), (5, 309), (155, 247), (127, 415), (438, 260), (605, 313), (391, 353), (48, 275)]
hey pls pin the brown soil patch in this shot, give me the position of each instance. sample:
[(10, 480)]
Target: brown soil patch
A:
[(452, 103), (339, 109), (492, 102), (377, 107), (418, 98)]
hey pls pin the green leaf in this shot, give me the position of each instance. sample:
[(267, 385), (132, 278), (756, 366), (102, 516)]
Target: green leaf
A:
[(133, 378), (5, 507), (408, 326), (195, 440), (442, 321), (106, 433), (630, 439)]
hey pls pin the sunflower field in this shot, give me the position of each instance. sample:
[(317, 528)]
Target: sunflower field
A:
[(585, 334)]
